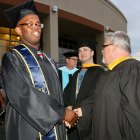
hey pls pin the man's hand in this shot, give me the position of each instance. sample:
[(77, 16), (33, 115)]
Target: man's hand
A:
[(69, 107), (70, 117), (78, 112)]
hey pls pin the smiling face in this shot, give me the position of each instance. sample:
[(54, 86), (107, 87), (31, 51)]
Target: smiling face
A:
[(29, 36), (86, 55)]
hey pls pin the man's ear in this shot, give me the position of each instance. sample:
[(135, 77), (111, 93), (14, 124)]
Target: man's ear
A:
[(67, 60), (18, 30)]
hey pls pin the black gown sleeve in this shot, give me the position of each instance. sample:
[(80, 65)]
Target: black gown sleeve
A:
[(130, 100), (36, 107), (69, 91), (67, 95)]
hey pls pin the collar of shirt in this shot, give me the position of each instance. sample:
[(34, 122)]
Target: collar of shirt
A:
[(33, 50), (69, 71), (118, 61), (90, 65)]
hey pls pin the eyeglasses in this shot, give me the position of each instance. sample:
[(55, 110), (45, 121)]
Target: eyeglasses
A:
[(33, 25), (103, 46), (73, 59)]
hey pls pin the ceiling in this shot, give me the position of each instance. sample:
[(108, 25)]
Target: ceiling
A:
[(69, 29)]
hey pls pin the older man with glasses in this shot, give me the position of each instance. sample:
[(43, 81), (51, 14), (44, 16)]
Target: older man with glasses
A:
[(117, 96)]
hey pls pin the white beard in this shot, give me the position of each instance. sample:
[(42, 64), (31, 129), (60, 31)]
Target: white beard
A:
[(103, 60)]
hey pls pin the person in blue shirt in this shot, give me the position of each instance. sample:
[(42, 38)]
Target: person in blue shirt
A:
[(69, 69)]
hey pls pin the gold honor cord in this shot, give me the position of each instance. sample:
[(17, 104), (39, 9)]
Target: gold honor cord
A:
[(40, 135)]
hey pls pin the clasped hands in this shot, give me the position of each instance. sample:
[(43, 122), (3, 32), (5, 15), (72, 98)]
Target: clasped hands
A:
[(72, 116)]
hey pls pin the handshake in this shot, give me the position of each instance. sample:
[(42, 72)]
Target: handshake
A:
[(72, 116)]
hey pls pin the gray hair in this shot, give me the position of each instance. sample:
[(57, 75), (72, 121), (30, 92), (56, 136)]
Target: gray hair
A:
[(119, 38)]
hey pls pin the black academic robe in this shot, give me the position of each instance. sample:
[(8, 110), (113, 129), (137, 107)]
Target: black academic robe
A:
[(29, 110), (83, 130), (117, 103)]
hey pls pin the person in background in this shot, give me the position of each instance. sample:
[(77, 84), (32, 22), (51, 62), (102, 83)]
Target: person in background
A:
[(79, 89), (35, 109), (117, 96), (69, 69)]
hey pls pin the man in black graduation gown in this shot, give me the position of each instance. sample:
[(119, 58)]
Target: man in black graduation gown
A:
[(35, 108), (117, 97), (79, 89)]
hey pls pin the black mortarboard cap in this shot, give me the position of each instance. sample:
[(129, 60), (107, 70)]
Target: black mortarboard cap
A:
[(88, 43), (70, 54), (17, 12)]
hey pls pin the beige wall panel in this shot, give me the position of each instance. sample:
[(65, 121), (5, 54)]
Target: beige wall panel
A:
[(100, 11)]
